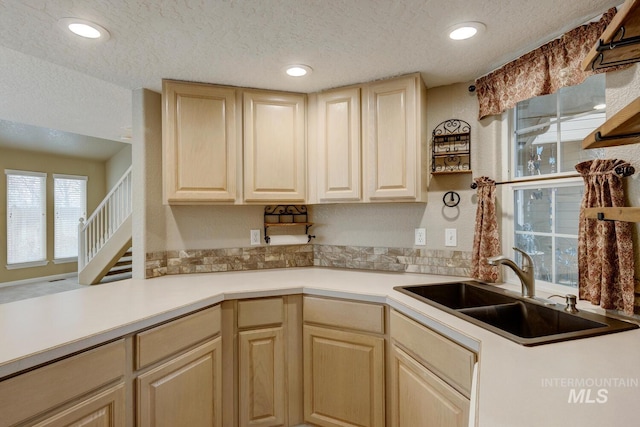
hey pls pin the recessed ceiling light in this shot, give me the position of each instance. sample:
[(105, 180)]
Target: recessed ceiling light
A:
[(298, 70), (600, 106), (84, 28), (466, 30)]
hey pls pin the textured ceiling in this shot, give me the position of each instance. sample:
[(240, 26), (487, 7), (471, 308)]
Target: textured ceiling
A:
[(33, 138), (248, 42)]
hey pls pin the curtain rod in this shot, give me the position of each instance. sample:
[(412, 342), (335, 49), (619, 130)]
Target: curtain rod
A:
[(623, 171)]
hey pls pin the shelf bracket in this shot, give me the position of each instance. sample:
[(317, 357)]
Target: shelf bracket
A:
[(598, 136)]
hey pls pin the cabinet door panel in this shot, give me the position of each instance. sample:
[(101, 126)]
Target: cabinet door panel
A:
[(343, 378), (393, 142), (185, 391), (339, 152), (103, 410), (199, 141), (262, 378), (274, 147), (419, 397)]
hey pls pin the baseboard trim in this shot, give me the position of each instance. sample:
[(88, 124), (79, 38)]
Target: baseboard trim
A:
[(39, 279)]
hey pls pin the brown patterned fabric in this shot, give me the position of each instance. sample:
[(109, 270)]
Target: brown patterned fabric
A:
[(542, 71), (486, 238), (605, 248)]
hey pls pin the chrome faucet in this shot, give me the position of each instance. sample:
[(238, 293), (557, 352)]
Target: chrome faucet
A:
[(525, 274)]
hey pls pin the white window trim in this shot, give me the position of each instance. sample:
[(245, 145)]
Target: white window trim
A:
[(507, 205), (63, 176), (19, 265), (65, 260)]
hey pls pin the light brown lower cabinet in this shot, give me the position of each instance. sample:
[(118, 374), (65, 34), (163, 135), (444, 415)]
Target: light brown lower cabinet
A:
[(420, 398), (344, 363), (261, 399), (103, 410), (431, 376), (185, 391)]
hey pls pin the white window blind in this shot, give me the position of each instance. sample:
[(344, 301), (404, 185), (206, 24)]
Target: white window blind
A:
[(26, 218), (70, 204)]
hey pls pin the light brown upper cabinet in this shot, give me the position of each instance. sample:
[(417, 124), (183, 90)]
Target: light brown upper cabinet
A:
[(200, 143), (339, 152), (395, 143), (274, 147)]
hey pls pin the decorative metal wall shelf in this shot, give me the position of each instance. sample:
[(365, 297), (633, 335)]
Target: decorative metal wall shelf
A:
[(451, 147), (286, 216)]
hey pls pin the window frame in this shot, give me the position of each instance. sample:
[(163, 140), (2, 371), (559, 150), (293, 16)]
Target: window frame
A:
[(38, 262), (515, 183)]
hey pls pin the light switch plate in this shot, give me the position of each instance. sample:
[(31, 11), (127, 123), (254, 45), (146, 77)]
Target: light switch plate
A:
[(450, 237), (255, 237), (421, 237)]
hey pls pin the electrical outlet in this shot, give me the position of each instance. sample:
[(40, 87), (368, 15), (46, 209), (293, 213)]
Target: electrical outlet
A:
[(450, 237), (255, 237), (421, 237)]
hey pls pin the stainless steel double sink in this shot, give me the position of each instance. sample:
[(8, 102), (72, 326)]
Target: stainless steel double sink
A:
[(527, 321)]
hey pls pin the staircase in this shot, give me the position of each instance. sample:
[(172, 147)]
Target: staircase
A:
[(105, 237), (121, 270)]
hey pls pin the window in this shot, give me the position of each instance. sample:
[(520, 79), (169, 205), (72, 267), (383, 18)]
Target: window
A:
[(26, 219), (547, 143), (70, 204)]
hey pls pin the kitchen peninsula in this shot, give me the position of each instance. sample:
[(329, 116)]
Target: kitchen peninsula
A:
[(513, 385)]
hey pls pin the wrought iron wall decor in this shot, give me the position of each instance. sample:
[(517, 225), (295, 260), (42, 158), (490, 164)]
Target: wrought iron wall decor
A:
[(451, 147), (451, 199), (286, 216)]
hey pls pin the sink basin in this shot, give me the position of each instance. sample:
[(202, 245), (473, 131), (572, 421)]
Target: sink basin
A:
[(526, 321), (457, 295), (530, 320)]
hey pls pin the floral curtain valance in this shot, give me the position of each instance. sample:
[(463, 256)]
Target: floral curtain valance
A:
[(542, 71)]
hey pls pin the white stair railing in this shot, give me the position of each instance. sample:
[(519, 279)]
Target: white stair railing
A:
[(105, 220)]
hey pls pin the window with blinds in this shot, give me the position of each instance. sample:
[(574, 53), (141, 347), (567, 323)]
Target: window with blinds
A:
[(70, 204), (26, 219)]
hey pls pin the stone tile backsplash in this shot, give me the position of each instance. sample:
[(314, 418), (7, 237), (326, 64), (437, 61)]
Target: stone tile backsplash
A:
[(443, 262)]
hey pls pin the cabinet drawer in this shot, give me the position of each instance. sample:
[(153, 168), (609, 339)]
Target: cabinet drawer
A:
[(46, 388), (344, 314), (451, 361), (155, 344), (260, 312)]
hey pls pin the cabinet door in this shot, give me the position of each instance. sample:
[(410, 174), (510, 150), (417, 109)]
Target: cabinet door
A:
[(103, 410), (338, 151), (394, 153), (185, 391), (343, 378), (262, 378), (274, 147), (199, 143), (420, 398)]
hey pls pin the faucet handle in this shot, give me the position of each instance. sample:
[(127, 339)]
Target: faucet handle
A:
[(527, 262)]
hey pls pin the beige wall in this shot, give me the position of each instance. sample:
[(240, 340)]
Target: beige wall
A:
[(26, 160), (117, 165), (203, 227), (623, 87)]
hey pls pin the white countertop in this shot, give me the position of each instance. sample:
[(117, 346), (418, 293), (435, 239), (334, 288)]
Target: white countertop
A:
[(519, 386)]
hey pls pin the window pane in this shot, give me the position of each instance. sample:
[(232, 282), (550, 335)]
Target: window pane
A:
[(26, 217), (533, 210), (549, 129), (567, 262), (69, 206), (568, 201)]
